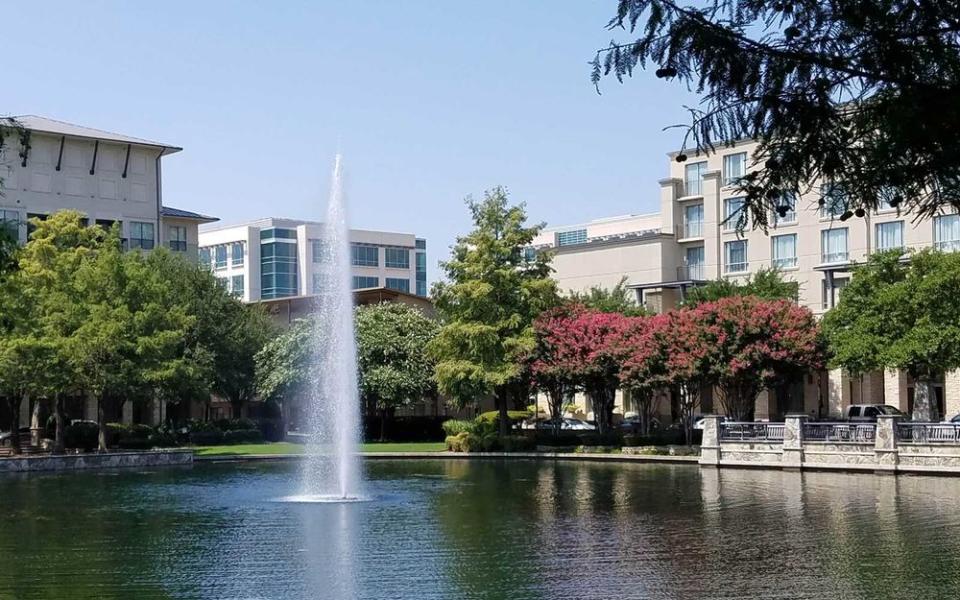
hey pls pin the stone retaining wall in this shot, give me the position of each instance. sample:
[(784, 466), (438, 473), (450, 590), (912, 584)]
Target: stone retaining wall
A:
[(113, 460), (885, 454)]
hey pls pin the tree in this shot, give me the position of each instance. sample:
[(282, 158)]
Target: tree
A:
[(749, 344), (488, 305), (643, 369), (282, 365), (395, 368), (767, 284), (900, 315), (551, 365), (863, 93), (618, 299)]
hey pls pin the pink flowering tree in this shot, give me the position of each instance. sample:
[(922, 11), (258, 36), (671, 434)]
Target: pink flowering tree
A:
[(746, 345), (554, 360), (643, 368)]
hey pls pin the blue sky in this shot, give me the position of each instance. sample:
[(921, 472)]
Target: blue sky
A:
[(430, 102)]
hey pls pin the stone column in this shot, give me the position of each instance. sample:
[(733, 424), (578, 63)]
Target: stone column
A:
[(127, 416), (885, 444), (793, 441), (838, 392), (872, 388), (951, 394), (895, 388), (710, 446)]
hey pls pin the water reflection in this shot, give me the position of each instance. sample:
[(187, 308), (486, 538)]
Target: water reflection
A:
[(481, 530)]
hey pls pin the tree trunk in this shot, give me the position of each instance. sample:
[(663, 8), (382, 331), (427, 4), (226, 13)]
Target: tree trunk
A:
[(555, 395), (36, 422), (59, 443), (602, 398), (14, 402), (101, 425), (383, 424), (924, 401), (502, 398)]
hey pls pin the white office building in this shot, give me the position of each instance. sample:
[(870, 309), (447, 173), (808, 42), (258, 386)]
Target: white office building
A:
[(278, 258)]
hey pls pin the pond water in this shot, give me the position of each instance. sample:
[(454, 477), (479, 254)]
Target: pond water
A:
[(480, 529)]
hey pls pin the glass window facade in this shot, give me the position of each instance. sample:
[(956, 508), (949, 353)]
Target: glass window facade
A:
[(362, 255), (318, 250), (833, 246), (401, 285), (734, 167), (396, 258), (220, 257), (831, 294), (735, 256), (569, 238), (361, 282), (946, 233), (236, 254), (693, 221), (278, 233), (889, 235), (790, 216), (141, 235), (278, 269), (421, 244), (694, 258), (784, 251), (204, 258), (177, 239), (834, 201), (421, 273), (10, 220), (693, 178), (732, 210)]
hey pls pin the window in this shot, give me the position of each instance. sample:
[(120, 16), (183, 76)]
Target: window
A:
[(220, 257), (396, 258), (273, 233), (278, 268), (205, 258), (788, 204), (141, 235), (834, 201), (833, 246), (236, 286), (364, 256), (693, 179), (732, 213), (421, 244), (946, 233), (694, 263), (177, 241), (236, 254), (318, 283), (831, 294), (360, 282), (890, 235), (784, 251), (734, 167), (318, 250), (10, 220), (401, 285), (529, 254), (422, 272), (693, 221), (569, 238), (735, 255)]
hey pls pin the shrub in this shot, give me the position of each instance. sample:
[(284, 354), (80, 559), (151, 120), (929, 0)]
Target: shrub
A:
[(462, 442), (455, 426), (514, 416), (206, 438), (135, 443), (82, 435), (194, 425), (517, 443), (613, 438), (243, 436), (114, 431), (243, 424), (164, 438)]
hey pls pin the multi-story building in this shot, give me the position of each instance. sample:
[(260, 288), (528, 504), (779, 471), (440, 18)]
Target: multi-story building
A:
[(696, 238), (275, 258), (48, 165)]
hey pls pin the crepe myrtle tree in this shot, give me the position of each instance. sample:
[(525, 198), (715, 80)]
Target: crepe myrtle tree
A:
[(552, 364), (643, 368), (750, 345), (864, 94), (900, 315)]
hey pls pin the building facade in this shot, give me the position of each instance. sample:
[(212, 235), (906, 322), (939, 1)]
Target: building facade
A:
[(699, 236), (276, 258), (48, 165)]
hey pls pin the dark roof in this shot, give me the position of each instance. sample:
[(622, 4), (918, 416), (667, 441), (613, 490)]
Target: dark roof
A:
[(169, 211)]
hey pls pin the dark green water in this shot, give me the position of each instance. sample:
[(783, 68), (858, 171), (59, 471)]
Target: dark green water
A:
[(451, 529)]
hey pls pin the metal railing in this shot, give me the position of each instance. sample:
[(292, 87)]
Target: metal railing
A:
[(690, 229), (735, 431), (690, 273), (928, 433), (839, 432)]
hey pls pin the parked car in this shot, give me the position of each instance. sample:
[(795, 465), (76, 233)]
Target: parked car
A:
[(698, 422), (955, 419), (6, 435), (566, 424), (632, 424), (870, 412)]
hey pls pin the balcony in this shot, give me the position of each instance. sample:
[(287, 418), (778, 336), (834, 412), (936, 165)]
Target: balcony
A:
[(736, 267), (835, 258), (947, 245), (693, 272), (784, 263), (690, 229)]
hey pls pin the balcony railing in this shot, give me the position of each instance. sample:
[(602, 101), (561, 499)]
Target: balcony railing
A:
[(947, 245), (690, 273), (748, 432), (928, 433), (784, 263), (693, 187), (690, 229), (839, 432), (736, 267), (830, 258)]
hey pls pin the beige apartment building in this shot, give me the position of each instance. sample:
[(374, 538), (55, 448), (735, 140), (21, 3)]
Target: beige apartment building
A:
[(694, 238)]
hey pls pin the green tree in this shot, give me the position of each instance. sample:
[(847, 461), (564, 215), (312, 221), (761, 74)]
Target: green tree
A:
[(488, 304), (898, 315), (767, 284), (618, 299), (864, 93), (282, 365), (395, 368)]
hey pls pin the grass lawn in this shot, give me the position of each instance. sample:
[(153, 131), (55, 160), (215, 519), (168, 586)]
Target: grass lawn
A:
[(288, 448)]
